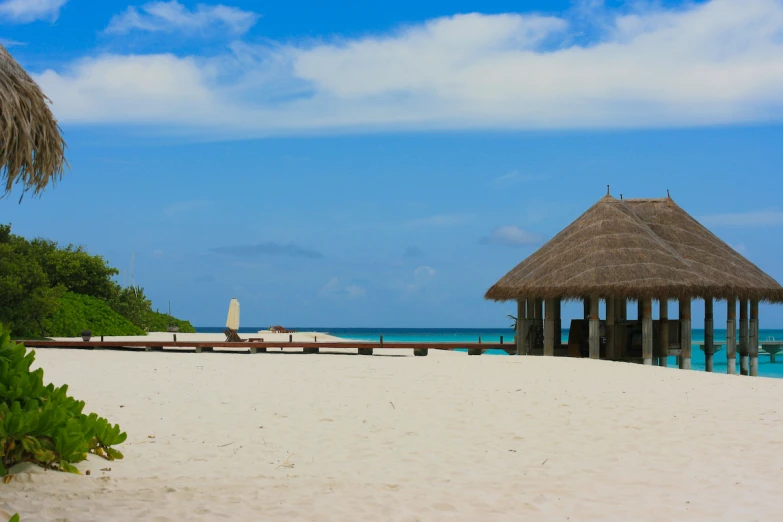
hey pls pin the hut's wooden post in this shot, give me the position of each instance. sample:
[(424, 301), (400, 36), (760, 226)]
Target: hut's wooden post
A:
[(521, 322), (709, 334), (549, 328), (753, 346), (539, 318), (685, 333), (594, 329), (558, 323), (663, 332), (744, 333), (610, 338), (620, 330), (731, 336), (647, 333)]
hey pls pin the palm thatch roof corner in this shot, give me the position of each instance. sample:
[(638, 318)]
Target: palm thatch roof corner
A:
[(32, 150), (636, 248)]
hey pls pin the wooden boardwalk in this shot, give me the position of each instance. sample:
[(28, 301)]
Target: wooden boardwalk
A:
[(364, 348)]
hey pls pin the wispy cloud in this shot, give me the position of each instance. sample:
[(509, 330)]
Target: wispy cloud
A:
[(753, 218), (335, 288), (25, 11), (268, 249), (641, 66), (181, 207), (424, 272), (512, 236), (11, 43), (168, 17), (441, 220)]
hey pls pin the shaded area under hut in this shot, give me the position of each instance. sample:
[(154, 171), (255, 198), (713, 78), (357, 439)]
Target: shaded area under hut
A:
[(636, 250)]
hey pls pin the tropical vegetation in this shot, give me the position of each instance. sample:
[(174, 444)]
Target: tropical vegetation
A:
[(43, 424), (49, 290)]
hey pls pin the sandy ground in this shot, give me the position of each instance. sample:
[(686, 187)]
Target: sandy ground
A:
[(284, 436)]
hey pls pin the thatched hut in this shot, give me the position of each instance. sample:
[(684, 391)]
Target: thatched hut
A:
[(32, 150), (636, 250)]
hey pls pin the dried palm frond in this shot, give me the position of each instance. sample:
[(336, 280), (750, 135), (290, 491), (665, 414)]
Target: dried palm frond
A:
[(32, 149)]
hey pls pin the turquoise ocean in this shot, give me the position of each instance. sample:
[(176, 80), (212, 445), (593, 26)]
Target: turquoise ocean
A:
[(492, 335)]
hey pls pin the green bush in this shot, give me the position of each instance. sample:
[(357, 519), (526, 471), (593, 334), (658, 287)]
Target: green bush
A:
[(158, 322), (81, 312), (42, 424)]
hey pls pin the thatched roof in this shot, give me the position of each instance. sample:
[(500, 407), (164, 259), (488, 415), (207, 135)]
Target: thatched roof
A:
[(32, 150), (636, 248)]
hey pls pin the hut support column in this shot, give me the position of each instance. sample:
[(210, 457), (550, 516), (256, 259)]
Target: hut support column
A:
[(594, 329), (620, 330), (753, 346), (647, 333), (731, 336), (521, 321), (663, 333), (685, 334), (558, 323), (709, 335), (549, 328), (744, 334), (610, 337)]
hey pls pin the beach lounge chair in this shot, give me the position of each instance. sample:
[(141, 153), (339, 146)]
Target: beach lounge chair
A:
[(232, 336)]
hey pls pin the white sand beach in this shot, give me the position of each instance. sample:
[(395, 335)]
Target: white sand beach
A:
[(282, 436)]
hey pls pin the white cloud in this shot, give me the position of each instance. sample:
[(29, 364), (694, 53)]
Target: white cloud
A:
[(717, 62), (511, 235), (424, 272), (334, 288), (25, 11), (173, 16), (754, 218)]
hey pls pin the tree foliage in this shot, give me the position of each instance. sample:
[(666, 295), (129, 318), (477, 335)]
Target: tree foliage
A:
[(79, 312), (39, 280)]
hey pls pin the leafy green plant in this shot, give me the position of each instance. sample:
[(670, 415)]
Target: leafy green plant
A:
[(158, 322), (43, 424)]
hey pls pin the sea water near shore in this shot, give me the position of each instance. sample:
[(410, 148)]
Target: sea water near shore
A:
[(492, 335)]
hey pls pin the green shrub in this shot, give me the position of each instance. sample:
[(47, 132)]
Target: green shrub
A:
[(42, 424), (81, 312), (158, 322)]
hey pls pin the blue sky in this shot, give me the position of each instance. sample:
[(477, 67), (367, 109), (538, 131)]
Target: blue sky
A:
[(344, 164)]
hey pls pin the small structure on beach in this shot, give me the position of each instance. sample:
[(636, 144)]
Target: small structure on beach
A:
[(636, 250)]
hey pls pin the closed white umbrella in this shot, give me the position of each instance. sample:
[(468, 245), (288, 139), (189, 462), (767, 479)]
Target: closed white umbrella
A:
[(232, 322)]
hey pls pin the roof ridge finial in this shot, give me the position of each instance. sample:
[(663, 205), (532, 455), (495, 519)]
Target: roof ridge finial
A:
[(607, 191), (668, 195), (621, 196)]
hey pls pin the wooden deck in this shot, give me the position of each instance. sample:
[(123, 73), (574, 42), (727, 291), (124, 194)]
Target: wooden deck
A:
[(365, 348)]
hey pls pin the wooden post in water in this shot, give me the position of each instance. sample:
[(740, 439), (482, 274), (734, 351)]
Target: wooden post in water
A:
[(549, 328), (476, 351), (594, 331), (731, 336), (663, 332), (647, 331), (744, 337), (753, 345), (709, 334), (521, 322), (611, 352), (685, 333)]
